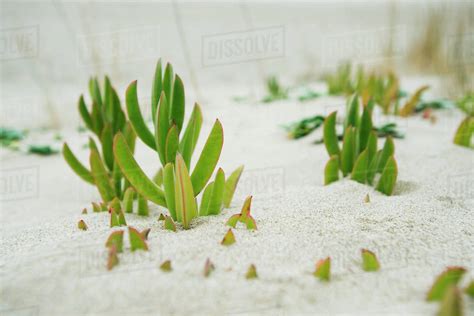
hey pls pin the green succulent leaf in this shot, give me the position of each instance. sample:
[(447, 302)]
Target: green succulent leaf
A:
[(136, 118), (389, 177), (191, 135), (330, 135), (228, 239), (128, 198), (112, 259), (94, 90), (208, 159), (371, 146), (172, 143), (451, 305), (323, 269), (369, 261), (97, 120), (114, 219), (359, 172), (177, 107), (143, 209), (168, 83), (136, 240), (231, 185), (464, 132), (115, 239), (101, 177), (348, 150), (86, 117), (387, 151), (166, 266), (169, 186), (186, 208), (76, 165), (106, 140), (469, 290), (251, 272), (169, 224), (213, 205), (450, 277), (82, 225), (352, 118), (162, 127), (365, 129), (132, 171), (206, 197), (331, 171), (157, 88), (233, 220)]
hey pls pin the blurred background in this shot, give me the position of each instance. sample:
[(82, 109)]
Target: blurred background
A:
[(49, 49)]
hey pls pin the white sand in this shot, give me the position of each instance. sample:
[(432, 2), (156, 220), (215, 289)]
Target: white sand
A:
[(49, 267)]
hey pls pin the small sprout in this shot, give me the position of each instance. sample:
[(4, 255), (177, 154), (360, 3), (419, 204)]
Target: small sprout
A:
[(369, 261), (136, 240), (121, 219), (451, 304), (410, 106), (251, 272), (84, 211), (166, 266), (161, 217), (275, 91), (244, 216), (450, 277), (115, 205), (103, 207), (469, 290), (145, 233), (128, 200), (96, 207), (367, 198), (82, 225), (112, 260), (465, 132), (208, 267), (323, 269), (169, 224), (114, 219), (115, 240), (228, 239), (143, 209)]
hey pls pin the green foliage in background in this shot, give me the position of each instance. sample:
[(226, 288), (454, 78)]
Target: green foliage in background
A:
[(465, 131)]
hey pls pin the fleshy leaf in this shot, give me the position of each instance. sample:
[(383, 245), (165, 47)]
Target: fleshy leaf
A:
[(389, 177), (86, 118), (191, 135), (114, 219), (464, 132), (136, 118), (330, 136), (214, 205), (348, 151), (162, 126), (365, 129), (161, 217), (369, 261), (121, 219), (244, 216), (115, 239), (128, 198), (158, 177), (233, 220), (228, 239), (101, 177), (450, 277), (387, 151), (134, 174), (172, 143), (169, 187), (469, 290), (106, 139), (323, 269), (208, 268), (169, 224), (157, 88), (115, 205), (166, 266), (231, 185), (331, 171), (206, 197), (84, 211), (136, 240), (410, 105), (76, 165), (251, 272), (208, 159), (112, 259), (96, 207), (177, 107), (359, 172), (451, 305), (143, 209), (186, 208), (352, 116), (82, 225)]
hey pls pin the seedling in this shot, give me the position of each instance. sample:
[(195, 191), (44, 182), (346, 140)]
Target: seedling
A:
[(244, 216), (208, 267), (161, 217), (451, 305), (84, 211), (166, 266), (137, 242), (143, 209), (410, 106), (450, 277), (275, 91), (175, 187), (105, 119), (359, 157), (115, 239), (369, 261), (465, 131), (228, 239), (112, 260), (469, 290), (169, 224), (96, 207), (323, 269), (251, 272), (367, 198), (82, 225)]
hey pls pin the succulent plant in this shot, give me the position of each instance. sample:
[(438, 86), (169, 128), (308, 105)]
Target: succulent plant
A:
[(166, 266), (451, 305), (450, 277), (369, 261), (175, 187), (465, 131), (359, 156), (228, 239), (323, 269), (114, 244), (251, 272), (208, 267), (244, 216), (105, 119), (275, 91), (82, 225)]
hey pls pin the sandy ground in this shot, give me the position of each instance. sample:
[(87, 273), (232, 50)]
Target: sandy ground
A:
[(49, 267)]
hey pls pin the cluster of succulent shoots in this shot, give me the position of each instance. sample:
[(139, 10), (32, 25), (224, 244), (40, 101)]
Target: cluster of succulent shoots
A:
[(175, 187), (275, 90), (465, 131), (359, 157), (105, 119)]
